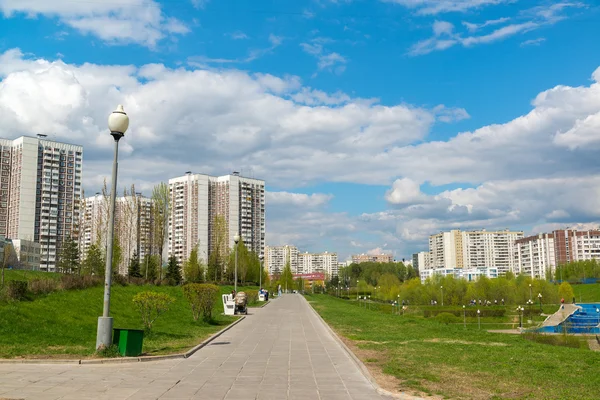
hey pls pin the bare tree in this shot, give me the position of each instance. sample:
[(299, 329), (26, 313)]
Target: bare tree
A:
[(160, 210)]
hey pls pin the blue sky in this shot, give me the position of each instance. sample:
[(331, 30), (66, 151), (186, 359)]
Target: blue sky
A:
[(374, 123)]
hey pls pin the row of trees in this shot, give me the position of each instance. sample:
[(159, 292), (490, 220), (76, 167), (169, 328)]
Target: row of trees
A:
[(373, 274), (577, 271)]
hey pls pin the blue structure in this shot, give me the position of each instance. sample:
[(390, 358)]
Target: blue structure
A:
[(584, 320)]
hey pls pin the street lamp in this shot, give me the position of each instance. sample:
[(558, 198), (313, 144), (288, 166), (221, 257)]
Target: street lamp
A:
[(530, 291), (598, 313), (236, 239), (520, 310), (118, 122), (442, 289), (260, 271), (465, 316), (356, 290), (479, 319), (540, 297)]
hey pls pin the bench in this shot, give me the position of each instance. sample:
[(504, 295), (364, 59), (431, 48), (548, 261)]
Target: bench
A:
[(228, 304)]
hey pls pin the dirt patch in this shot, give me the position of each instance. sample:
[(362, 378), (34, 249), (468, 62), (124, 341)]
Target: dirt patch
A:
[(594, 345), (369, 342), (437, 340)]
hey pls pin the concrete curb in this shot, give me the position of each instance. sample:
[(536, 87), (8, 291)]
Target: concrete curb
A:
[(360, 364), (122, 360)]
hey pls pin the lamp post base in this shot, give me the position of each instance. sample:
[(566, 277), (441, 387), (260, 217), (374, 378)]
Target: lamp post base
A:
[(105, 330)]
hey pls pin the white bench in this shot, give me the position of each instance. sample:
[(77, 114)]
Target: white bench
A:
[(228, 304), (261, 297)]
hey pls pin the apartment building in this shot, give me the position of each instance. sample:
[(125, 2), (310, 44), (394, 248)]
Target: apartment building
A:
[(277, 256), (309, 263), (378, 258), (197, 199), (538, 254), (28, 253), (40, 193), (534, 255), (473, 249), (133, 226), (421, 261)]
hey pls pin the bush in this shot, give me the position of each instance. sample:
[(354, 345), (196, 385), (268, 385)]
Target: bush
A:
[(447, 318), (471, 312), (43, 286), (202, 298), (119, 279), (252, 296), (77, 282), (137, 281), (152, 305), (16, 290)]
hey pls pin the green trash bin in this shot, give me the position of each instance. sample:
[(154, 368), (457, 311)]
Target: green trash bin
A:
[(129, 341)]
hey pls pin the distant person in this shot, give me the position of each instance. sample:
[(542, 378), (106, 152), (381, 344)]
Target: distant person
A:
[(573, 299)]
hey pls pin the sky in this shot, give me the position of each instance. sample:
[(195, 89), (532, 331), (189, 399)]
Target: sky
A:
[(374, 123)]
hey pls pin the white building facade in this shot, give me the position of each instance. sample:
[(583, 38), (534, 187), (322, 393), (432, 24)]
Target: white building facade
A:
[(326, 262), (469, 274), (40, 193), (534, 255), (276, 258), (197, 199)]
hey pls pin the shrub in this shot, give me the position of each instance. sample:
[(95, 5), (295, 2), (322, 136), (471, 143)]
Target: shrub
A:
[(252, 296), (16, 290), (137, 281), (446, 318), (202, 298), (43, 286), (119, 279), (471, 312), (152, 305), (77, 282)]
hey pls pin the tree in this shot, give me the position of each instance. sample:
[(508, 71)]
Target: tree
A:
[(173, 272), (202, 298), (160, 210), (149, 267), (565, 291), (94, 263), (286, 280), (134, 266), (219, 247), (117, 254), (151, 305), (68, 259), (8, 250), (192, 269)]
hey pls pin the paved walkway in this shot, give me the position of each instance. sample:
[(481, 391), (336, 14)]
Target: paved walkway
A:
[(281, 351)]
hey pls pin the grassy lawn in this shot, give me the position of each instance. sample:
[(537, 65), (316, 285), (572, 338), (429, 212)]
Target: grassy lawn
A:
[(23, 275), (587, 293), (63, 324), (426, 356)]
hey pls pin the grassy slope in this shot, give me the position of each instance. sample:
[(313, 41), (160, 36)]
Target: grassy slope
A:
[(468, 364), (22, 275), (587, 293), (64, 323)]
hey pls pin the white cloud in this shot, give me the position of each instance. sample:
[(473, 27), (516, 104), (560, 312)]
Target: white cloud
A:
[(533, 42), (331, 61), (405, 192), (238, 35), (475, 27), (428, 7), (253, 54), (126, 21), (298, 199)]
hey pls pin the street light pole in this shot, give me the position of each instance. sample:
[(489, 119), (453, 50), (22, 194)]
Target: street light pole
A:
[(540, 297), (479, 319), (118, 122), (356, 290), (442, 289), (465, 316), (236, 239), (530, 291), (260, 272)]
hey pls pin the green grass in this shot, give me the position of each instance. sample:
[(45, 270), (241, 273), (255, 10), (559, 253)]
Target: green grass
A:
[(23, 275), (434, 358), (63, 324), (587, 293)]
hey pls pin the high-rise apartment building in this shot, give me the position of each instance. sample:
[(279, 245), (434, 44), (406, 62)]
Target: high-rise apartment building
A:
[(197, 200), (40, 193), (277, 256), (473, 249), (326, 262), (133, 226), (420, 261), (378, 258), (534, 255)]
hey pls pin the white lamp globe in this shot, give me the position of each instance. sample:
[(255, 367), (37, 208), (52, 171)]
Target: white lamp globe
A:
[(118, 121), (236, 238)]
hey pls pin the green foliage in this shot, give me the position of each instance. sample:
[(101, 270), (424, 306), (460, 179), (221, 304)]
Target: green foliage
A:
[(372, 272), (161, 201), (16, 290), (286, 280), (447, 318), (173, 275), (152, 305), (149, 267), (111, 351), (117, 254), (578, 270), (94, 263), (202, 298), (556, 340), (192, 269), (68, 258), (252, 296), (470, 312), (219, 250), (134, 266), (76, 282), (565, 291)]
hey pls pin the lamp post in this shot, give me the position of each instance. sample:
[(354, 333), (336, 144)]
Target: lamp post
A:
[(465, 316), (236, 239), (442, 289), (530, 291), (118, 122), (260, 271), (479, 318), (520, 310), (356, 290), (398, 301), (369, 303), (540, 297), (598, 314), (529, 303)]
